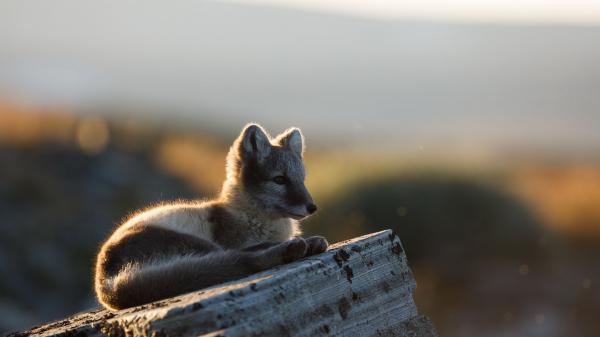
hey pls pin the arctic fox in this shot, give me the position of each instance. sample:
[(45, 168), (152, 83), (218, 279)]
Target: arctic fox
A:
[(176, 248)]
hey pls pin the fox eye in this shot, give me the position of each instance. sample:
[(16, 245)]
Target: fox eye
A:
[(281, 180)]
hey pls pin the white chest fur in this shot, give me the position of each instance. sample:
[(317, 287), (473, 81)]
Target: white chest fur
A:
[(271, 231)]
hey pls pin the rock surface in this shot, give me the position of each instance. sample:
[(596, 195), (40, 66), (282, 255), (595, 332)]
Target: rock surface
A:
[(359, 287)]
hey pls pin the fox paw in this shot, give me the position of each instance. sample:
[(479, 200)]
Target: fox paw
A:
[(295, 250), (316, 245)]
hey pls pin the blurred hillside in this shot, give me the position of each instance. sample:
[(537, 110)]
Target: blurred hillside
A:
[(58, 201), (497, 250)]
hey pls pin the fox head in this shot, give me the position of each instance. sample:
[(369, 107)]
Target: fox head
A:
[(269, 172)]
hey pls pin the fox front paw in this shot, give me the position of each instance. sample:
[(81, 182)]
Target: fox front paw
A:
[(316, 245), (295, 250)]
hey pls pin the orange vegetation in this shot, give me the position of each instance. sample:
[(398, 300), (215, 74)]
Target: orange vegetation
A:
[(566, 197), (199, 162), (24, 125)]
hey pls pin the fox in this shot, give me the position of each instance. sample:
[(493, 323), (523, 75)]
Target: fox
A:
[(253, 225)]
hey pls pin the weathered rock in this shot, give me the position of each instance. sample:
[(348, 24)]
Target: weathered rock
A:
[(360, 287)]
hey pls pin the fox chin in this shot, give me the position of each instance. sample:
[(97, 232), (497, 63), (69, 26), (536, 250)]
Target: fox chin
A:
[(175, 248)]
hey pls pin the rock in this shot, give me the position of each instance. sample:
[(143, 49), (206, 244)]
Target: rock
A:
[(359, 287)]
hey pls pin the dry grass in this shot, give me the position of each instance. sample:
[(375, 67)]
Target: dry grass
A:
[(24, 125), (566, 197), (201, 162)]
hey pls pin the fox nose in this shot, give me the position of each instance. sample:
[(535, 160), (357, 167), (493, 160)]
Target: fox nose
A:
[(311, 208)]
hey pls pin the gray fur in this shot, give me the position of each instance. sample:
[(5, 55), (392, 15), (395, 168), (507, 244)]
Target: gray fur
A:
[(169, 276), (284, 158), (142, 244), (255, 142), (293, 140), (175, 248)]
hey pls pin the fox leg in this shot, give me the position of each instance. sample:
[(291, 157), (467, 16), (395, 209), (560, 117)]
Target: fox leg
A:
[(260, 246), (284, 252), (316, 245), (140, 283)]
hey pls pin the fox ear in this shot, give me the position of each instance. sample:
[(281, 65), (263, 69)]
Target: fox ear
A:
[(292, 139), (254, 142)]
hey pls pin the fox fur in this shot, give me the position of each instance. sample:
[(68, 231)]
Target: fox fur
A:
[(174, 248)]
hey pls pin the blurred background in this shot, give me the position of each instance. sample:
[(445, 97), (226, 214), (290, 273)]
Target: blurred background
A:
[(471, 128)]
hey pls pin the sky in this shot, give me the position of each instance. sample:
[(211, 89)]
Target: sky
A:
[(509, 11), (365, 77)]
